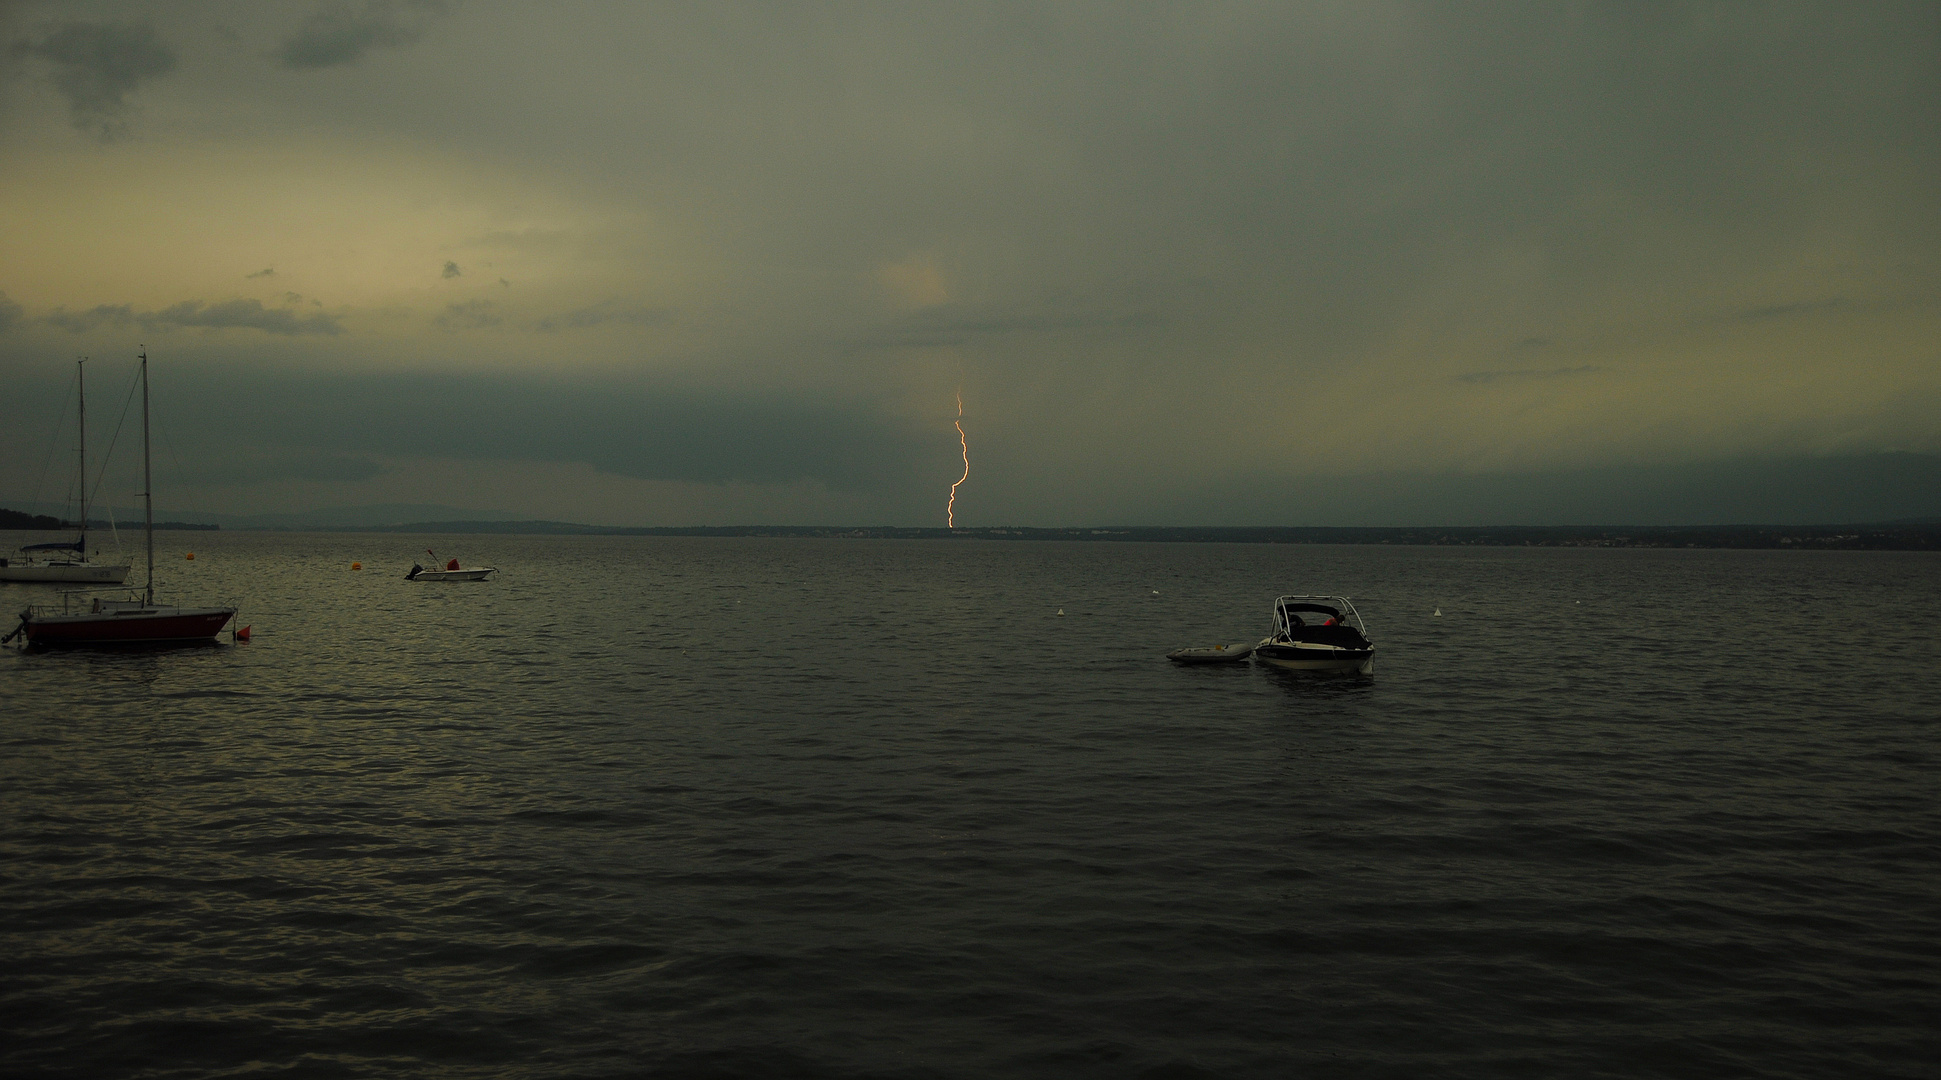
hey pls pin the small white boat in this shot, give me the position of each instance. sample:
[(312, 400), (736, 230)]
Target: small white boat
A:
[(451, 572), (1318, 633), (74, 568), (1215, 654), (419, 573), (67, 562)]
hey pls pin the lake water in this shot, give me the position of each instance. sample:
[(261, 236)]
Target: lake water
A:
[(758, 808)]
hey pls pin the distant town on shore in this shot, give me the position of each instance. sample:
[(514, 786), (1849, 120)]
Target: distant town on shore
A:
[(1918, 535)]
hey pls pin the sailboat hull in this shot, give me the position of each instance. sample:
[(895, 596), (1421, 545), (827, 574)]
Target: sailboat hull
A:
[(135, 621), (130, 625), (71, 573)]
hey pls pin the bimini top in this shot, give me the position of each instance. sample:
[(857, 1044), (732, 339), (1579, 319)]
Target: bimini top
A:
[(1292, 611), (74, 545)]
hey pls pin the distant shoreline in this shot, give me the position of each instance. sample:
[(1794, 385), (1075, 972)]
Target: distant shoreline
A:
[(1924, 535), (16, 521), (1891, 536)]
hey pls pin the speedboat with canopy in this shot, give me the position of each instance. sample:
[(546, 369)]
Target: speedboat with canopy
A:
[(1318, 633)]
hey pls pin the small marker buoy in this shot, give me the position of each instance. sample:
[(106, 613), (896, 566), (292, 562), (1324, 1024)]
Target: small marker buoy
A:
[(1438, 613), (1155, 592), (1061, 613), (357, 566), (190, 556), (241, 635)]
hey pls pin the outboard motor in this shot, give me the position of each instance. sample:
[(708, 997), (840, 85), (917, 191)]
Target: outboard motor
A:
[(415, 571)]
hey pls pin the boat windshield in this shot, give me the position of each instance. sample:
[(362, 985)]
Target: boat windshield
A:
[(1293, 611)]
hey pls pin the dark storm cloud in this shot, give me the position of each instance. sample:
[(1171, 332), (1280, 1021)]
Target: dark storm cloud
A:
[(266, 272), (950, 326), (339, 35), (1831, 490), (80, 322), (1527, 374), (470, 315), (229, 314), (622, 428), (243, 314), (10, 313), (96, 67), (1781, 311), (1142, 235), (606, 311), (259, 466)]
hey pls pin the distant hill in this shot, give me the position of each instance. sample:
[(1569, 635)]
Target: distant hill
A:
[(14, 519), (1886, 536), (327, 519)]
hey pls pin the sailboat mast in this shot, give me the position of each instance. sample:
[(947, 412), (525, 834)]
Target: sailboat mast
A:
[(148, 489), (81, 379)]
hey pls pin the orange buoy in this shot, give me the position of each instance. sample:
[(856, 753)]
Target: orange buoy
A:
[(242, 635), (357, 566), (190, 556)]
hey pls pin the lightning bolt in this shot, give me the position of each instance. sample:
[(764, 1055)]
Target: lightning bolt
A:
[(950, 510)]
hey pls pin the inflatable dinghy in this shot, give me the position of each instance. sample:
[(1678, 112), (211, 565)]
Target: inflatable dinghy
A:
[(1217, 654)]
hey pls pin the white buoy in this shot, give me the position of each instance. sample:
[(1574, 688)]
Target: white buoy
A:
[(1061, 613), (1438, 613), (1155, 592)]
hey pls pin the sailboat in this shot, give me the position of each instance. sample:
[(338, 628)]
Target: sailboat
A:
[(71, 565), (138, 620)]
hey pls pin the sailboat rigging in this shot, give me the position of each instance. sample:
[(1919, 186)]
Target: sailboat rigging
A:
[(64, 561), (135, 621)]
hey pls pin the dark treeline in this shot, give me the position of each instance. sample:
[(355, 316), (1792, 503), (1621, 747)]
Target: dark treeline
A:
[(14, 519), (1884, 536)]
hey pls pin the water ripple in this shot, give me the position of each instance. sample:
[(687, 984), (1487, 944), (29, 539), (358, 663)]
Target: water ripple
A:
[(739, 807)]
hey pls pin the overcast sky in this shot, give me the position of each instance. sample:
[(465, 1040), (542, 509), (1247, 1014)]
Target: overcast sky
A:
[(1346, 263)]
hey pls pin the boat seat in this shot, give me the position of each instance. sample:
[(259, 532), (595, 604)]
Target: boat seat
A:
[(1340, 635)]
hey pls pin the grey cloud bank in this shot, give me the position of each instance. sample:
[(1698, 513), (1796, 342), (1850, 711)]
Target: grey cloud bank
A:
[(96, 66), (620, 427), (339, 34), (232, 314), (243, 426)]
